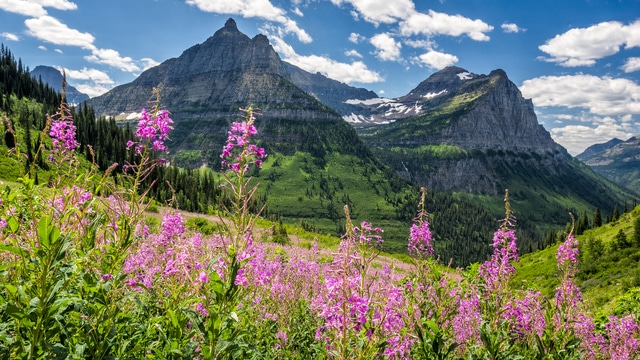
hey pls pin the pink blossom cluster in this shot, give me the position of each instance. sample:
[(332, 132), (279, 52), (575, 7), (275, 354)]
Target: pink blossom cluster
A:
[(526, 316), (496, 271), (63, 136), (152, 130), (238, 153), (420, 240)]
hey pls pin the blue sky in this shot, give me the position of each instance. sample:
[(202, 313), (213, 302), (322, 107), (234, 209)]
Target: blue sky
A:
[(579, 60)]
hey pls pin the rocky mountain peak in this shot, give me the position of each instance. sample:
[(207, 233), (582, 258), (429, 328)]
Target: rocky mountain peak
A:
[(212, 79), (53, 77), (230, 26)]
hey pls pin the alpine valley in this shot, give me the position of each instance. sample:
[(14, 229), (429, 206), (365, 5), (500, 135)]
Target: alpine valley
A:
[(465, 137)]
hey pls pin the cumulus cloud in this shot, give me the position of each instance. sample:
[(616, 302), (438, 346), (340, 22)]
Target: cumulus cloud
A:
[(380, 11), (356, 38), (85, 74), (112, 58), (436, 60), (262, 9), (387, 48), (583, 46), (92, 82), (356, 71), (600, 95), (511, 28), (435, 23), (51, 30), (35, 8), (353, 53), (9, 36), (631, 65)]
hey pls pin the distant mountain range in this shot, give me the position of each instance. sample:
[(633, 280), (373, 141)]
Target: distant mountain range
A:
[(457, 132), (617, 160), (53, 77)]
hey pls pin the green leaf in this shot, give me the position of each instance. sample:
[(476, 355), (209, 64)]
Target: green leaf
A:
[(16, 250)]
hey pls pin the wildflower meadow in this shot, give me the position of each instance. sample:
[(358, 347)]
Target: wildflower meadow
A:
[(84, 275)]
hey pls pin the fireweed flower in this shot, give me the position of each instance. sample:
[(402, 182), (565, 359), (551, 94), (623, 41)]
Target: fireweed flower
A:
[(238, 153), (63, 136), (152, 130), (420, 240)]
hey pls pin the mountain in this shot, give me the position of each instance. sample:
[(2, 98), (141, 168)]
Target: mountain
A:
[(476, 134), (596, 149), (316, 161), (52, 77), (617, 160), (335, 94)]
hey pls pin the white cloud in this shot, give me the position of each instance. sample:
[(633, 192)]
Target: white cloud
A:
[(600, 95), (92, 90), (381, 92), (356, 38), (421, 44), (93, 82), (298, 12), (356, 71), (353, 53), (148, 63), (381, 11), (35, 8), (58, 51), (23, 7), (583, 46), (112, 58), (262, 9), (94, 75), (387, 48), (631, 65), (576, 138), (9, 36), (51, 30), (511, 28), (436, 60), (435, 23), (57, 4), (42, 47)]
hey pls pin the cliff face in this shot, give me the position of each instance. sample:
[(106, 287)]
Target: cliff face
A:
[(213, 79), (472, 133)]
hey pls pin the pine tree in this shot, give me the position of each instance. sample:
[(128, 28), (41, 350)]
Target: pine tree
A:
[(597, 219), (636, 232), (616, 213)]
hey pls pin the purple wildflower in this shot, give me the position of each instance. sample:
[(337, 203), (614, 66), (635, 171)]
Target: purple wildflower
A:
[(152, 130), (238, 161), (63, 136), (420, 240)]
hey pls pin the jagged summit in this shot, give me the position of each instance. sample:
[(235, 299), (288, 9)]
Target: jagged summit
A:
[(212, 79), (230, 25)]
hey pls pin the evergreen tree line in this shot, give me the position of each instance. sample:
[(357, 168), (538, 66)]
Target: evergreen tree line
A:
[(102, 141)]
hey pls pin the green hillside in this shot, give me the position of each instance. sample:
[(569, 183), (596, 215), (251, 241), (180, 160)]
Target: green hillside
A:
[(609, 264)]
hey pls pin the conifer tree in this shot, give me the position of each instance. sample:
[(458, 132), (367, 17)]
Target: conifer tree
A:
[(597, 219), (636, 232)]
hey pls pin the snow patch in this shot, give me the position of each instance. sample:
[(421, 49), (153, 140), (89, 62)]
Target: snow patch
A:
[(432, 95), (353, 118), (134, 116), (465, 76), (373, 101)]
